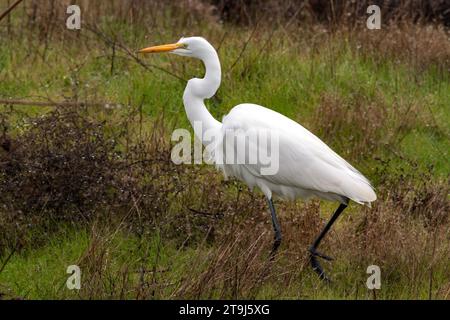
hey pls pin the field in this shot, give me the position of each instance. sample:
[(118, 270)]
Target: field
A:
[(86, 177)]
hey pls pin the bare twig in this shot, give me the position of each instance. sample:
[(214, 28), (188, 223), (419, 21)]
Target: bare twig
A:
[(11, 102), (207, 214), (8, 258), (11, 8), (245, 46), (130, 53)]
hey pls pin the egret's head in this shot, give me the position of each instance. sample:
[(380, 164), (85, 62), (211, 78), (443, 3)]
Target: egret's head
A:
[(195, 47)]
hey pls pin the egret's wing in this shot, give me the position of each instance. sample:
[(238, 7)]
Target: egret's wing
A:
[(304, 160)]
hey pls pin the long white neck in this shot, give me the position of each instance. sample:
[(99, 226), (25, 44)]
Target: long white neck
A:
[(197, 90)]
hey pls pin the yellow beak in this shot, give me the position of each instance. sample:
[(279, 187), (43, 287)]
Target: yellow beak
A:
[(162, 48)]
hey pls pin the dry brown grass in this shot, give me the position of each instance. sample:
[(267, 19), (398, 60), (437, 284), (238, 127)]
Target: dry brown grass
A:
[(414, 32), (67, 166), (359, 125), (405, 233), (419, 46), (333, 12)]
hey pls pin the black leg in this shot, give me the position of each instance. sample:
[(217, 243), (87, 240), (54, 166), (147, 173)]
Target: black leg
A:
[(313, 248), (276, 229)]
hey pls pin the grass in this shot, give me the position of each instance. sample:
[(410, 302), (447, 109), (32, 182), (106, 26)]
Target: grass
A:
[(128, 273), (183, 232), (288, 80), (41, 273)]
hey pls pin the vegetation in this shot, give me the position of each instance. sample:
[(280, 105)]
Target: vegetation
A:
[(88, 179)]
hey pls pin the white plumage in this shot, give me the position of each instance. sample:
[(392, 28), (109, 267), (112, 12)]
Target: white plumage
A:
[(307, 166)]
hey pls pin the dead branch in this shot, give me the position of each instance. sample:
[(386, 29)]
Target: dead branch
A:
[(11, 8), (12, 102)]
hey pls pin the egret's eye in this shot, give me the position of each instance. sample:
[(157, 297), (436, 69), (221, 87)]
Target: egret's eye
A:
[(183, 46)]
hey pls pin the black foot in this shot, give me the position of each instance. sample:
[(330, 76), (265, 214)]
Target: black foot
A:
[(314, 254), (275, 246)]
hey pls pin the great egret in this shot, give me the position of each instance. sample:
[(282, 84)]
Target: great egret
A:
[(307, 166)]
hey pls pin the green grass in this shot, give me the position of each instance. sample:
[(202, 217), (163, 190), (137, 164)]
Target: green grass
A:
[(288, 80), (41, 273)]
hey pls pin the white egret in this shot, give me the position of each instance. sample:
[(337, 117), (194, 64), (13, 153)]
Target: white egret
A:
[(307, 166)]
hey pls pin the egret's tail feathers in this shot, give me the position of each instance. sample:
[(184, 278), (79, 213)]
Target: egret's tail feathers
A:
[(360, 190), (365, 196)]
